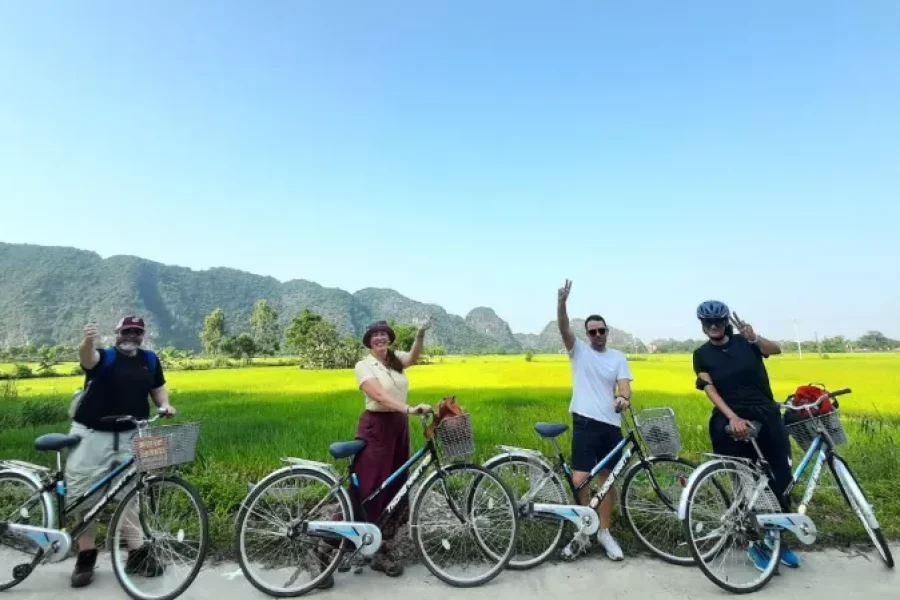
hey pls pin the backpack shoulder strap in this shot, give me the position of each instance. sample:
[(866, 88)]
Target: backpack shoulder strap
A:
[(107, 357), (152, 360)]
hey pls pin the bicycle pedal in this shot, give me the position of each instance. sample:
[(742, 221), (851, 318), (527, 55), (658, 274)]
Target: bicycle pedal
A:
[(22, 571)]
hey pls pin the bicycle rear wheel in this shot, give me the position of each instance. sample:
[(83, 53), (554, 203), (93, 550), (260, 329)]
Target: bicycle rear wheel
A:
[(277, 560), (653, 518), (160, 536), (538, 537), (21, 503), (719, 525), (464, 524), (856, 500)]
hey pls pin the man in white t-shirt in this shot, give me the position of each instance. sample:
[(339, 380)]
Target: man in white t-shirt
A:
[(601, 387)]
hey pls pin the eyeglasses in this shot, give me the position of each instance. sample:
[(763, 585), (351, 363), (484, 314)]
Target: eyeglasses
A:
[(597, 331), (132, 332), (719, 323)]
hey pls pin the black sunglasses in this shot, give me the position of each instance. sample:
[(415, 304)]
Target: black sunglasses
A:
[(597, 331), (714, 322), (132, 332)]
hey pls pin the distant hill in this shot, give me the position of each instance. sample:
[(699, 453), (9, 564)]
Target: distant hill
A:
[(47, 293)]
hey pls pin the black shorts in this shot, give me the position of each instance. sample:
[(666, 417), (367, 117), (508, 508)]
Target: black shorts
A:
[(592, 441)]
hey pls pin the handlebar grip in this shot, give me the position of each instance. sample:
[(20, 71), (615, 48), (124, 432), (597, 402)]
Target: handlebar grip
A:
[(841, 392)]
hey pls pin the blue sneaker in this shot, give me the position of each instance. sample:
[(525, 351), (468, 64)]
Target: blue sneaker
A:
[(788, 558), (760, 555)]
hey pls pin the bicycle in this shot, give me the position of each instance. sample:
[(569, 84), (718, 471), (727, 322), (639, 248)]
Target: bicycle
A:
[(452, 520), (650, 493), (44, 535), (755, 516)]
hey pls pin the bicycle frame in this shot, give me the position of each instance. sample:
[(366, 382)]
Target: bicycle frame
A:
[(427, 454), (628, 446)]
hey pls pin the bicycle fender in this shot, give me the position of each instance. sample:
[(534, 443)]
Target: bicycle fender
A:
[(48, 500), (297, 465), (512, 451), (699, 472)]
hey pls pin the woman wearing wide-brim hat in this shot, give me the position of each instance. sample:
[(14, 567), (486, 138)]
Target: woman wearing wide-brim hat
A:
[(384, 425)]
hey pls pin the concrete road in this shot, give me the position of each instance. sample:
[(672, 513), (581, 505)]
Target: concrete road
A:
[(824, 575)]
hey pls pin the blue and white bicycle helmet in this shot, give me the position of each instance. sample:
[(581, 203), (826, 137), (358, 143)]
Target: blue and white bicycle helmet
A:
[(713, 309)]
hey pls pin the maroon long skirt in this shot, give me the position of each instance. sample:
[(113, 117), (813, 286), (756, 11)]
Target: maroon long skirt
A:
[(387, 448)]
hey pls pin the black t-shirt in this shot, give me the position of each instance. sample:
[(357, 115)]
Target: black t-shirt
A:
[(737, 371), (123, 388)]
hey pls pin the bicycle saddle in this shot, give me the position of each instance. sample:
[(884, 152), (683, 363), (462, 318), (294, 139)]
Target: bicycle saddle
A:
[(751, 433), (346, 449), (56, 441), (550, 430)]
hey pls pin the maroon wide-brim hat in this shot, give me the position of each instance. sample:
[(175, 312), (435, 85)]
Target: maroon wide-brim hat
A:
[(375, 328)]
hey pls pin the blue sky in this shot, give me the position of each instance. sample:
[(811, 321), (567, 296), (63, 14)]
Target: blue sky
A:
[(475, 153)]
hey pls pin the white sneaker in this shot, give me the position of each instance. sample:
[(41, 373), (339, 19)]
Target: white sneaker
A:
[(605, 539)]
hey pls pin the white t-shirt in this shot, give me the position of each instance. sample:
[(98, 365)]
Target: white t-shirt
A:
[(594, 376)]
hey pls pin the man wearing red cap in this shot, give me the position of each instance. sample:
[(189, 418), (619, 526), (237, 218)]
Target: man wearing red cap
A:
[(118, 382)]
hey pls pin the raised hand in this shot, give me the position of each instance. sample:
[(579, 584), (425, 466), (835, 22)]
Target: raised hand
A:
[(564, 292), (743, 327), (91, 332)]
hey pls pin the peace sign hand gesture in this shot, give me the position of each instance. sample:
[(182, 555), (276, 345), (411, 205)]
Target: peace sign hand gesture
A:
[(564, 292), (744, 328)]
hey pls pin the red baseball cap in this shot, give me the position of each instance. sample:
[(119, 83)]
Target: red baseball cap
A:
[(131, 322)]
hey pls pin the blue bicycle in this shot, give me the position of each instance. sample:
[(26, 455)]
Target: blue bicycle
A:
[(170, 554), (728, 509), (298, 522)]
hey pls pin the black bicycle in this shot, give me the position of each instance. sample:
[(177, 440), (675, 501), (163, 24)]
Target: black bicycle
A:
[(297, 523), (650, 493), (34, 510)]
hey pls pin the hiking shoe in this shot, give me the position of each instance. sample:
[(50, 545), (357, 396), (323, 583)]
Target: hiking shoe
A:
[(788, 558), (83, 573), (760, 556), (143, 562), (605, 539), (387, 566)]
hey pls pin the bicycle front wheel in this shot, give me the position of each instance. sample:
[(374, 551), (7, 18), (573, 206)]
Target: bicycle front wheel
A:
[(652, 510), (719, 526), (538, 537), (856, 500), (160, 536), (464, 524)]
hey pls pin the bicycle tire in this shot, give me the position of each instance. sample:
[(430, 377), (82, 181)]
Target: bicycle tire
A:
[(855, 498), (515, 562), (119, 565), (438, 478), (704, 471), (45, 519), (627, 512), (241, 526)]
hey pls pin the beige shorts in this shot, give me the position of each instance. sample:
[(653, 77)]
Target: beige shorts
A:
[(93, 458)]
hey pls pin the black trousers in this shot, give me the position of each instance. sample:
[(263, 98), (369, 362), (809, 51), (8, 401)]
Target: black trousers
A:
[(773, 441)]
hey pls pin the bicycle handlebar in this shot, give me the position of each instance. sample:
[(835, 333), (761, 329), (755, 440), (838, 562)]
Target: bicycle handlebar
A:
[(787, 403), (120, 418)]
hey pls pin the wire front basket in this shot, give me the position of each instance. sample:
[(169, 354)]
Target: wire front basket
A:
[(659, 431), (165, 446), (806, 430), (454, 436)]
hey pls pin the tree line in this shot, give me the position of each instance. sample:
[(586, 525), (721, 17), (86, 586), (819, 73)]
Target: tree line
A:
[(311, 338), (871, 341)]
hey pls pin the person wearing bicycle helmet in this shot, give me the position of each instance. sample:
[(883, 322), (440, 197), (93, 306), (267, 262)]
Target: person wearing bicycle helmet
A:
[(730, 368), (384, 425)]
